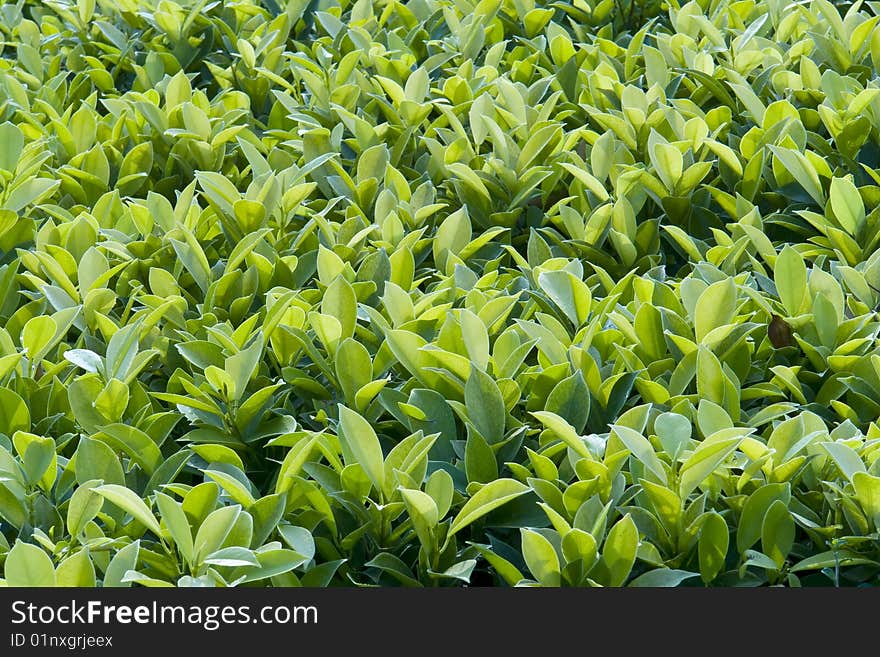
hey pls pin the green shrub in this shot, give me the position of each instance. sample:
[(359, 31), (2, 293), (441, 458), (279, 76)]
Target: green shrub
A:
[(439, 292)]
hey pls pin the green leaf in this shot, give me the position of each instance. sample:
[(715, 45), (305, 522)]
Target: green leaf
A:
[(175, 520), (213, 531), (122, 562), (14, 413), (485, 405), (846, 202), (540, 557), (128, 501), (755, 510), (570, 399), (296, 458), (570, 294), (803, 171), (667, 505), (828, 559), (424, 515), (564, 431), (867, 488), (363, 444), (452, 236), (712, 546), (121, 351), (479, 460), (134, 442), (340, 301), (619, 550), (193, 258), (777, 532), (11, 144), (38, 458), (38, 336), (703, 462), (668, 163), (506, 570), (846, 458), (28, 566), (715, 308), (232, 487), (488, 498), (440, 487), (83, 506), (790, 274), (476, 339), (392, 565), (642, 449), (662, 577), (31, 192), (231, 557), (242, 366), (76, 570), (579, 546), (354, 368), (96, 460)]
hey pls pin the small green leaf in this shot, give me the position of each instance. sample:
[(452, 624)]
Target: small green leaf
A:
[(28, 566), (423, 513), (540, 557), (131, 503), (11, 144), (178, 526), (570, 294), (662, 577), (642, 449), (867, 488), (846, 202), (712, 546), (83, 506), (846, 458), (579, 546), (38, 336), (76, 570), (564, 431), (619, 550), (479, 459), (485, 405), (777, 532), (488, 498), (703, 462), (363, 444), (122, 562), (754, 511), (790, 274), (715, 308)]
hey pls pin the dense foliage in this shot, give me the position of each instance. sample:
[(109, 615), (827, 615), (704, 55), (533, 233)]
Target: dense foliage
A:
[(439, 292)]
